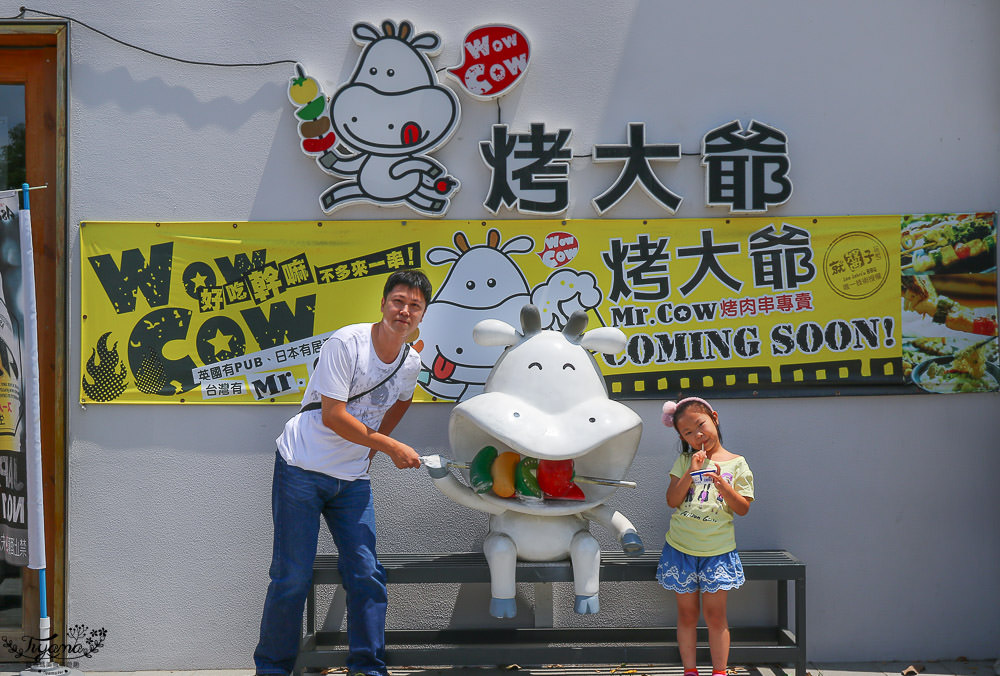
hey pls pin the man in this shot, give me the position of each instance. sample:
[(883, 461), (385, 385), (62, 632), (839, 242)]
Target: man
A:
[(361, 387)]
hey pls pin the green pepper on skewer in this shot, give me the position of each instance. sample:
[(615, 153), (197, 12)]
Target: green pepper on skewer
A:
[(525, 481), (480, 475)]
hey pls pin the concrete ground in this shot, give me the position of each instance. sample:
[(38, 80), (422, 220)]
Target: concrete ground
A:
[(958, 667)]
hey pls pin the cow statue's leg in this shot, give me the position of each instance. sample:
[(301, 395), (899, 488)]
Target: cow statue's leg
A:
[(585, 554), (501, 555), (500, 550)]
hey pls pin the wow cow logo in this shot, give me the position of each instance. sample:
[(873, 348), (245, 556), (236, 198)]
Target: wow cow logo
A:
[(382, 123), (224, 307), (494, 60)]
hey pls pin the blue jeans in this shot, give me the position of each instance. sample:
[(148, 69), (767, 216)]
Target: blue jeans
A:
[(298, 497)]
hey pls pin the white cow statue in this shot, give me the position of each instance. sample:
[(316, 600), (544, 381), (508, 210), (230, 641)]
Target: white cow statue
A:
[(544, 402)]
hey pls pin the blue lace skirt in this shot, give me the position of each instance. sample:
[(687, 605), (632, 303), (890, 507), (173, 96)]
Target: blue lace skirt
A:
[(687, 574)]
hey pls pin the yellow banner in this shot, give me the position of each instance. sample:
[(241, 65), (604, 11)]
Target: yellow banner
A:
[(236, 312)]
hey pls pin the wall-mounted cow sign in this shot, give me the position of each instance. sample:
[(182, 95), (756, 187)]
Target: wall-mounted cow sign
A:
[(380, 125), (385, 120)]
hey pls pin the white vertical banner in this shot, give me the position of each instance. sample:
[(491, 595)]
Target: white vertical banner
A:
[(32, 407)]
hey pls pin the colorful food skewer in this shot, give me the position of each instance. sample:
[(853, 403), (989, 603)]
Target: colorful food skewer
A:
[(920, 296), (947, 243), (941, 259), (305, 93), (508, 474)]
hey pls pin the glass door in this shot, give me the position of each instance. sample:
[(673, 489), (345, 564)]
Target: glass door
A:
[(12, 165), (32, 150), (12, 174)]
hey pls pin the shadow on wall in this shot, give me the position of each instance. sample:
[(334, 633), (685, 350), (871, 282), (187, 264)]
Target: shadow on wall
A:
[(117, 86)]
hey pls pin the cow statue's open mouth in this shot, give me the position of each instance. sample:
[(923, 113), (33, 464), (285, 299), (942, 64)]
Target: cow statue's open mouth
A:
[(593, 441)]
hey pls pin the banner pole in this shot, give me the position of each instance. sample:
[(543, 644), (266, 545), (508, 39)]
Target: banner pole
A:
[(33, 444)]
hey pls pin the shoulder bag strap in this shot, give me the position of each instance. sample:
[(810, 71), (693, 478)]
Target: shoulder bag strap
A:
[(312, 406)]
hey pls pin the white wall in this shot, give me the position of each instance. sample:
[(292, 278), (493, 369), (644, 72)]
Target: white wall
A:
[(890, 107)]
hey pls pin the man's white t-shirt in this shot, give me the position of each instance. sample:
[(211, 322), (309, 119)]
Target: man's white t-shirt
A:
[(347, 365)]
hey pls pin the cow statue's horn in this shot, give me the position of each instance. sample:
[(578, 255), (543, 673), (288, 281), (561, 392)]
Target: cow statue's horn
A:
[(575, 325), (531, 320)]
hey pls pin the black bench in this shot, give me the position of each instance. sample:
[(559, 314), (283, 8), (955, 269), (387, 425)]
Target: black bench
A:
[(776, 645)]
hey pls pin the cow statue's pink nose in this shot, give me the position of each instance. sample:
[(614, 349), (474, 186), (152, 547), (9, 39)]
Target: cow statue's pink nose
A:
[(410, 134)]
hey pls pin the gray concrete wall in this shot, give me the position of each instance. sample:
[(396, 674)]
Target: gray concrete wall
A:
[(890, 107)]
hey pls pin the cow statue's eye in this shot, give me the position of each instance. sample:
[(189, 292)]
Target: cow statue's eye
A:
[(373, 70), (470, 285), (390, 72), (491, 282), (567, 365), (535, 364)]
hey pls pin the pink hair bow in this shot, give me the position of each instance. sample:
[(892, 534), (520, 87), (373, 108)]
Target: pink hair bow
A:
[(670, 408)]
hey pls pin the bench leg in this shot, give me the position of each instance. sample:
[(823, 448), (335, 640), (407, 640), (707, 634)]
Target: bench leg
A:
[(311, 610), (783, 604), (800, 625), (309, 641), (543, 605), (784, 619)]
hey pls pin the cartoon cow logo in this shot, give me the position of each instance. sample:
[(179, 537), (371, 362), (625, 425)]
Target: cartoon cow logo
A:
[(385, 120), (485, 282)]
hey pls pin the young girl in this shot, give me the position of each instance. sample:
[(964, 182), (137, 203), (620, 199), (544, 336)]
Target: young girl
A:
[(708, 484)]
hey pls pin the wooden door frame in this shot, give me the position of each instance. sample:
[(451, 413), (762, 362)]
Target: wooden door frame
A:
[(42, 46)]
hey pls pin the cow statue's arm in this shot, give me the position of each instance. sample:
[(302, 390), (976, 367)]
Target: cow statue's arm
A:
[(446, 482), (618, 524)]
